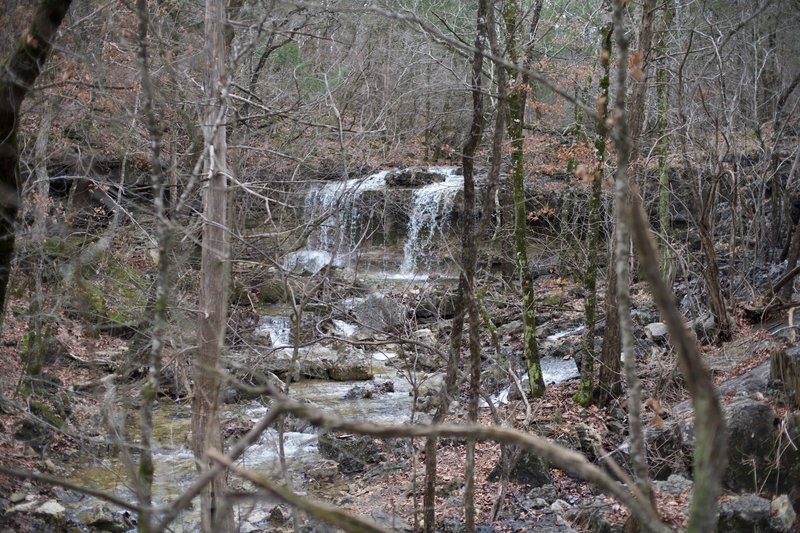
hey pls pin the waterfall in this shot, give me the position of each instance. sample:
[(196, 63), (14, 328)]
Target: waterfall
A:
[(431, 207), (338, 233), (342, 232)]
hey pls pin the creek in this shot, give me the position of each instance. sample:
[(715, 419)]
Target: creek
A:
[(339, 241)]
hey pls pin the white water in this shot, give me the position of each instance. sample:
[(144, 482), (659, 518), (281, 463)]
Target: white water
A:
[(340, 235), (339, 200), (431, 206), (278, 328)]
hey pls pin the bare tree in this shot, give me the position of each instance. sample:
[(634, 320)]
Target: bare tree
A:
[(206, 434), (20, 71)]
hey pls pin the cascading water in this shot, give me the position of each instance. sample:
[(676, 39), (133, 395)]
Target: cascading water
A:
[(341, 201), (342, 232), (431, 207)]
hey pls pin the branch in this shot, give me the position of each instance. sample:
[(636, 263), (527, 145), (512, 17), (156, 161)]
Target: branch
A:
[(572, 462), (321, 511), (58, 482)]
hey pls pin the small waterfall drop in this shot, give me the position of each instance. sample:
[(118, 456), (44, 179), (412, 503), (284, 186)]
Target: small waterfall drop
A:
[(343, 231), (341, 199), (431, 207)]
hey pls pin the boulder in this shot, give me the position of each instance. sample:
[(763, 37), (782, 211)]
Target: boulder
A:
[(439, 302), (413, 177), (103, 519), (378, 312), (271, 291), (656, 332), (391, 521), (49, 510), (312, 364), (752, 435), (352, 452), (750, 514), (307, 262), (352, 365), (527, 468)]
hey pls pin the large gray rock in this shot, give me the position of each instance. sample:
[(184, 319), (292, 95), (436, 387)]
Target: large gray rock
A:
[(307, 262), (528, 468), (103, 519), (656, 331), (310, 364), (352, 365), (750, 514), (436, 303), (378, 312), (752, 435)]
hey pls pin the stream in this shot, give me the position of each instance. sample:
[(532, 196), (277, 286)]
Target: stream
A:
[(175, 469)]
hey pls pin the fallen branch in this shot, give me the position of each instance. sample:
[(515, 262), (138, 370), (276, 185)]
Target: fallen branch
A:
[(63, 483), (572, 462), (321, 511)]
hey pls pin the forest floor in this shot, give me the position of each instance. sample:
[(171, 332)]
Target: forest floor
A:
[(390, 486)]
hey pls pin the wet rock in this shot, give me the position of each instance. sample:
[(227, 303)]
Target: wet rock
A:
[(749, 514), (528, 468), (310, 364), (353, 365), (656, 332), (307, 262), (50, 510), (103, 519), (378, 312), (352, 452), (413, 177)]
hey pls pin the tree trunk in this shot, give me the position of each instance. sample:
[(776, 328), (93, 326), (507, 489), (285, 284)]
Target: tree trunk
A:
[(663, 145), (206, 434), (18, 74), (639, 93), (609, 380), (622, 198), (585, 394), (158, 184), (469, 254), (516, 118)]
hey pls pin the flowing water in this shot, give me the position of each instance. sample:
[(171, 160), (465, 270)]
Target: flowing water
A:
[(342, 233), (430, 212)]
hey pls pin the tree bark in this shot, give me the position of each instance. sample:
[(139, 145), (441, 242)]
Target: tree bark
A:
[(516, 118), (19, 72), (469, 254), (206, 435), (622, 197), (158, 184), (585, 394), (639, 93)]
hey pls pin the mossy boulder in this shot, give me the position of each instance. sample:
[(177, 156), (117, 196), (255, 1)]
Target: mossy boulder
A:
[(112, 297), (271, 292)]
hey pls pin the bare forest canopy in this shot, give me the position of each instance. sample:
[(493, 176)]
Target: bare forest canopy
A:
[(415, 265)]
